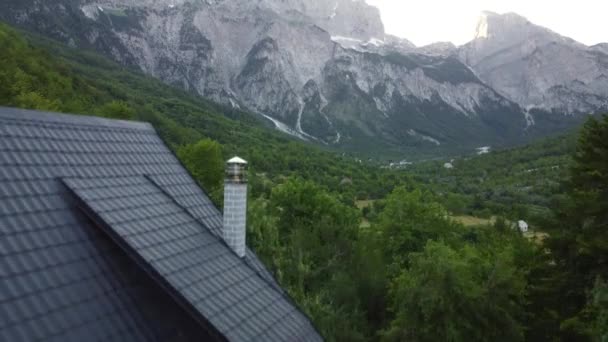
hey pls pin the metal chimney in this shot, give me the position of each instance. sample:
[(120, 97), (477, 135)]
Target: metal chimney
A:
[(235, 205)]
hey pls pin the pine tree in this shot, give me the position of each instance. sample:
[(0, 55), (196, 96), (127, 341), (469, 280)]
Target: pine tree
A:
[(578, 238)]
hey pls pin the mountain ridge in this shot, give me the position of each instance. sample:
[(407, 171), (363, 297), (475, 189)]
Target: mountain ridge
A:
[(537, 67), (306, 68)]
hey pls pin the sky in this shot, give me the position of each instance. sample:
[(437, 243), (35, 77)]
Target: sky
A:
[(428, 21)]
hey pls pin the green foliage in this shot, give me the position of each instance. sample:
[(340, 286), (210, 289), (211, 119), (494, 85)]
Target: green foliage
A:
[(518, 183), (262, 232), (472, 284), (464, 295), (316, 229), (408, 221), (117, 110), (29, 78), (585, 213), (309, 237), (205, 162), (591, 323), (598, 307), (578, 241)]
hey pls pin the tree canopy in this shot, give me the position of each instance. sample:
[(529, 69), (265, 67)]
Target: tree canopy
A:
[(205, 161), (579, 236)]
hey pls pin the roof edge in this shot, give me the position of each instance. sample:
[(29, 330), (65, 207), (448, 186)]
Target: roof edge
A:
[(139, 261), (38, 116), (276, 286)]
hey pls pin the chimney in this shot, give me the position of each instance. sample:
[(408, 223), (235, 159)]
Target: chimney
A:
[(235, 205)]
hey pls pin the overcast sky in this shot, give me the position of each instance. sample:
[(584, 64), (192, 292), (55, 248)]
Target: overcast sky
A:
[(428, 21)]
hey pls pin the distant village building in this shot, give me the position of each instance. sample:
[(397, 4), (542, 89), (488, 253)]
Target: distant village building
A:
[(448, 166), (523, 226), (400, 165), (483, 150)]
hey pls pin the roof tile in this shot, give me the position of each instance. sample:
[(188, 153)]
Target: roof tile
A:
[(62, 279), (231, 295)]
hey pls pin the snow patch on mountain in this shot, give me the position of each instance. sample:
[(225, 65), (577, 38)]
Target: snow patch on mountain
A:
[(375, 41), (341, 39), (284, 128), (299, 121), (413, 133), (529, 118)]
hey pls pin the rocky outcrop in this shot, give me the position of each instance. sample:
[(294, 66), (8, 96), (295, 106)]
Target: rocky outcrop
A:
[(536, 67), (326, 71), (346, 18), (602, 47), (439, 49)]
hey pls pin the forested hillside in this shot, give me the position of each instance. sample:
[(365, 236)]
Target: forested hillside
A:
[(410, 273), (38, 73), (518, 183)]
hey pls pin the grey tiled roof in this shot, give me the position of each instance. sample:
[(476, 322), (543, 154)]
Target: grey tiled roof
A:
[(141, 260), (197, 204)]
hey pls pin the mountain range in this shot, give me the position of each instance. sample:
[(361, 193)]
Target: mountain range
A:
[(327, 72)]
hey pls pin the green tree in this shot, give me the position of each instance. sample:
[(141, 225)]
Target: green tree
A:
[(370, 279), (457, 295), (408, 220), (34, 100), (262, 232), (598, 309), (317, 229), (317, 235), (204, 160), (578, 240), (117, 110)]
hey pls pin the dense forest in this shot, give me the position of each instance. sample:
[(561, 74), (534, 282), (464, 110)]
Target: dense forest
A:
[(370, 252), (515, 183)]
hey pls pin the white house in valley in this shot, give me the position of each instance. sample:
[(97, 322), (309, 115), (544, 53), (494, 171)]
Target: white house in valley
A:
[(523, 226)]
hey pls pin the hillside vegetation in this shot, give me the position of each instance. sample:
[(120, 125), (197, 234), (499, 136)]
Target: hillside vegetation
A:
[(411, 273), (38, 73), (518, 183)]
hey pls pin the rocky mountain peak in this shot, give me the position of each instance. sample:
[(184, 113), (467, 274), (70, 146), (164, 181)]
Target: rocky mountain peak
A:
[(499, 32), (492, 24), (439, 49), (602, 47), (348, 18), (534, 66), (326, 71), (482, 26), (354, 18)]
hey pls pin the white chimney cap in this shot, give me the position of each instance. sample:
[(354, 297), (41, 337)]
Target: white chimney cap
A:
[(237, 160)]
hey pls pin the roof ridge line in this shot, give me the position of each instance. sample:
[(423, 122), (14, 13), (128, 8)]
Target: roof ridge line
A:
[(281, 292), (49, 117)]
